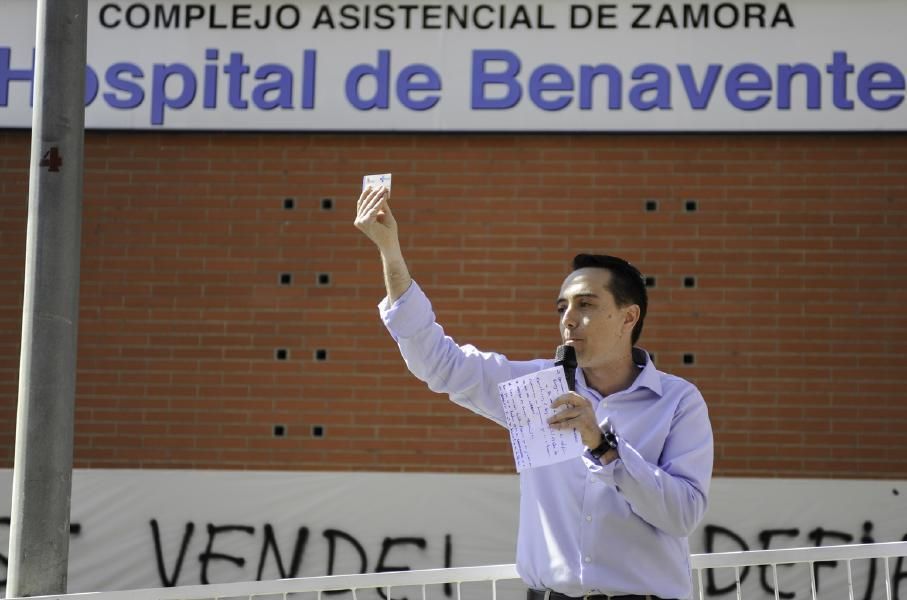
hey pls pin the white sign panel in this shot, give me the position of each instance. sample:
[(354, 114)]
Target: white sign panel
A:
[(507, 65), (141, 529)]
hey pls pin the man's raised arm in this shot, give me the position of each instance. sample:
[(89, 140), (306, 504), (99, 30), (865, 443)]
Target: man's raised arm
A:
[(375, 219)]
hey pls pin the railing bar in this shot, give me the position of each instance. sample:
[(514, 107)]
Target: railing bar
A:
[(356, 598), (699, 580), (796, 555), (737, 579), (496, 573), (849, 580), (424, 597), (775, 578), (812, 579)]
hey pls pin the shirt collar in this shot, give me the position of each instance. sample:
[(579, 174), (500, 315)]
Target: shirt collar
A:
[(647, 377)]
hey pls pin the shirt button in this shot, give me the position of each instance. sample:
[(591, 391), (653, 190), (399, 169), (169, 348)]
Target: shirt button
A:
[(588, 517), (588, 559)]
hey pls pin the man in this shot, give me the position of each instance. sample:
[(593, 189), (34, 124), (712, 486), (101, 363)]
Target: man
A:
[(615, 521)]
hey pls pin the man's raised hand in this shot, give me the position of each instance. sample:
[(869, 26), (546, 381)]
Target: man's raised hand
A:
[(375, 219)]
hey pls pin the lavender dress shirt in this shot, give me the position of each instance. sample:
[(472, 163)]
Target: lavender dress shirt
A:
[(584, 527)]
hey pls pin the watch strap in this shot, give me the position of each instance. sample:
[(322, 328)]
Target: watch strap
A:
[(609, 440)]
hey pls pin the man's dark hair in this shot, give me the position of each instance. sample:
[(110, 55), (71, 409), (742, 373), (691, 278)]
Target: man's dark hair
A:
[(627, 285)]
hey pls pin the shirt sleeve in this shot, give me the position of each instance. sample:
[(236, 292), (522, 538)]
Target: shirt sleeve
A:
[(672, 495), (467, 374)]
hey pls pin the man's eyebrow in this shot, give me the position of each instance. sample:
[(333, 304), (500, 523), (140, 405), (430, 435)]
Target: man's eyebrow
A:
[(580, 295)]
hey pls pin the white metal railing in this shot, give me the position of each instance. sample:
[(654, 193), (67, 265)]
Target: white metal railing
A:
[(282, 588), (495, 574), (805, 556)]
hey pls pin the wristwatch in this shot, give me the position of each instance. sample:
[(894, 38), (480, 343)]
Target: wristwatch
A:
[(609, 441)]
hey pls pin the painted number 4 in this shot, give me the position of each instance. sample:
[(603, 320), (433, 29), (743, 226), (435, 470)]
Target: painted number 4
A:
[(52, 160)]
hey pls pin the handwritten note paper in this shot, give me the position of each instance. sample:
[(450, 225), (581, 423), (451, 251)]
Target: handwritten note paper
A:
[(527, 408)]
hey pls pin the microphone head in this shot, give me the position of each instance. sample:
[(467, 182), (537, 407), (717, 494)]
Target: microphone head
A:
[(565, 355)]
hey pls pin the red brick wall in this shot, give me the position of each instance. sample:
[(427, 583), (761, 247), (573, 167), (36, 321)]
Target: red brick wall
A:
[(796, 323)]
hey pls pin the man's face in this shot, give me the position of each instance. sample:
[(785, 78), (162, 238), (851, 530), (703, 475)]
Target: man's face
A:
[(591, 321)]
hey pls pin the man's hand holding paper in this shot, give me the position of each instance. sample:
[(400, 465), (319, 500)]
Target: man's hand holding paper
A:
[(528, 406)]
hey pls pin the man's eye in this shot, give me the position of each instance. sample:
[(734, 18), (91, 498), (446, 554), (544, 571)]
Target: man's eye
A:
[(561, 310)]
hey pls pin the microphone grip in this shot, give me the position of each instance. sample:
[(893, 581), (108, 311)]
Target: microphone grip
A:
[(570, 375), (565, 356)]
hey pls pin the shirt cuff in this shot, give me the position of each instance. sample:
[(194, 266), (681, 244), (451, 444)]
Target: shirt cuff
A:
[(617, 468), (407, 315), (603, 473)]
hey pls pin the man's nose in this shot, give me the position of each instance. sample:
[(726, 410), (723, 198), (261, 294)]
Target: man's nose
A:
[(568, 320)]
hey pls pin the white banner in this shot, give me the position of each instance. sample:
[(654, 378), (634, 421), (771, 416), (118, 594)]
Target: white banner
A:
[(468, 65), (139, 529)]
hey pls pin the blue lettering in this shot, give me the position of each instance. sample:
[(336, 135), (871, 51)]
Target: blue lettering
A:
[(115, 81), (91, 85), (381, 74), (406, 85), (210, 94), (839, 69), (308, 79), (813, 84), (866, 85), (480, 78), (495, 84), (283, 86), (699, 96), (734, 85), (159, 98), (562, 82), (587, 75), (235, 70), (8, 74), (661, 87)]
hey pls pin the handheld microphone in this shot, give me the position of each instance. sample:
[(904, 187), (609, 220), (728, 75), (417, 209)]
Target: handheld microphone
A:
[(565, 356)]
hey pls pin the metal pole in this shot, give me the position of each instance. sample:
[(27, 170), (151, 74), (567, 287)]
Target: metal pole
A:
[(42, 476)]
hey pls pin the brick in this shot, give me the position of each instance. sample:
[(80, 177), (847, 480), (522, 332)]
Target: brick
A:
[(796, 316)]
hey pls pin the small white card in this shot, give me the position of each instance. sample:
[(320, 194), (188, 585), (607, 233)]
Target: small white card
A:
[(527, 408), (383, 179)]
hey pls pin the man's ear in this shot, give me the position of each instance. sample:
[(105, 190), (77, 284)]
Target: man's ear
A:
[(631, 317)]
